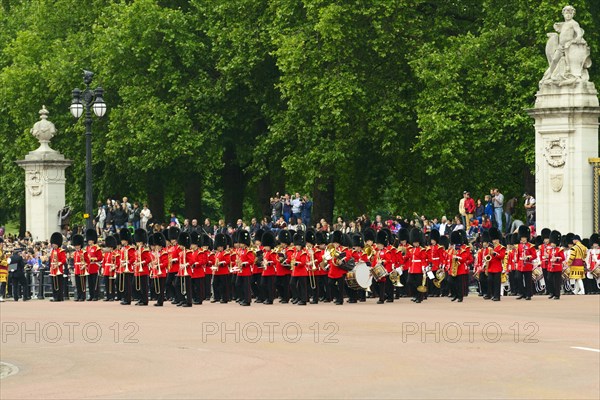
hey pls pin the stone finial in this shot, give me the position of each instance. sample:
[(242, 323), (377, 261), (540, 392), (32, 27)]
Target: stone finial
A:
[(44, 130)]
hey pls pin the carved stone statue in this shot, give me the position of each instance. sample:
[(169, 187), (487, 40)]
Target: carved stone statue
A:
[(567, 52)]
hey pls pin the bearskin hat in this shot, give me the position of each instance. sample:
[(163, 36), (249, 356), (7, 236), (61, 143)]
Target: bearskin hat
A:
[(456, 238), (111, 242), (92, 235), (205, 240), (445, 242), (546, 233), (140, 236), (229, 241), (370, 235), (569, 238), (77, 240), (539, 240), (258, 235), (195, 238), (244, 237), (299, 239), (337, 237), (184, 240), (160, 239), (268, 239), (284, 237), (416, 236), (495, 233), (56, 238), (382, 238), (486, 237), (434, 235), (403, 235), (173, 233), (220, 240), (357, 240), (555, 237), (594, 239), (310, 237), (151, 241), (321, 238), (347, 240), (524, 232), (125, 235)]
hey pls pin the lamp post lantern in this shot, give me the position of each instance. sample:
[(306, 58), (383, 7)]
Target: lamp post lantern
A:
[(92, 101)]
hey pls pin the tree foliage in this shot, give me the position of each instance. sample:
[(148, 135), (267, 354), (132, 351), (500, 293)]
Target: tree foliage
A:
[(367, 105)]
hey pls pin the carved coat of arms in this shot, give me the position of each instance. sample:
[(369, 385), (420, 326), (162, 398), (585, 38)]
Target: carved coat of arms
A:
[(556, 182), (556, 152)]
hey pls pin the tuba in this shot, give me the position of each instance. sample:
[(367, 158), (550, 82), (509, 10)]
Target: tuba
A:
[(440, 275), (394, 276)]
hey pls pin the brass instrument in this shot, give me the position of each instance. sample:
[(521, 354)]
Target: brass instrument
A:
[(440, 275), (423, 287), (394, 276), (402, 249), (157, 272), (138, 281), (455, 263), (369, 250), (184, 273), (311, 268)]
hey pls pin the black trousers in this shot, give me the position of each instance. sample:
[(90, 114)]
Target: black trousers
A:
[(119, 283), (198, 290), (141, 286), (58, 287), (283, 287), (336, 286), (525, 283), (3, 287), (494, 284), (127, 283), (556, 279), (268, 287), (323, 287), (483, 284), (513, 282), (414, 281), (548, 281), (92, 282), (302, 288), (294, 287), (170, 286), (109, 288), (80, 283), (221, 288), (20, 287), (458, 286), (352, 294), (159, 287), (244, 286), (315, 293), (208, 281), (185, 288), (256, 287)]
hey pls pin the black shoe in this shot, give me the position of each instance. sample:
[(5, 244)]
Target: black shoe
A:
[(196, 303), (413, 299), (111, 299), (95, 299), (339, 303), (284, 301), (180, 304), (418, 301), (519, 297), (223, 302), (486, 297), (312, 302), (258, 301), (551, 296), (495, 299), (106, 300), (267, 302), (303, 303), (213, 301), (454, 299), (480, 294), (326, 301), (527, 298), (125, 303), (244, 303), (141, 304), (460, 300), (362, 300), (380, 302), (158, 305), (186, 305), (53, 300), (556, 298), (174, 302), (294, 301), (352, 301), (389, 301)]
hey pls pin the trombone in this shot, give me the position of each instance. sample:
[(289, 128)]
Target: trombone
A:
[(183, 274), (311, 269)]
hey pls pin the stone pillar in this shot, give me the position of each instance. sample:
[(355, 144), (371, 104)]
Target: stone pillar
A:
[(566, 133), (44, 182), (596, 200)]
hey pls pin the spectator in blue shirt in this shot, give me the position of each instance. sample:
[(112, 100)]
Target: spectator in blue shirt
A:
[(306, 210)]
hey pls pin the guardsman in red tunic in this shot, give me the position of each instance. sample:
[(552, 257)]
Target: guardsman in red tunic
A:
[(383, 257), (160, 266), (435, 255), (400, 260), (460, 259), (93, 259), (359, 256), (299, 263), (335, 256), (244, 261), (173, 290), (417, 264), (79, 267), (512, 240), (184, 275), (543, 255), (556, 259), (282, 268), (445, 265), (496, 264), (127, 260), (526, 255), (207, 246), (200, 259), (58, 260), (270, 260), (320, 292), (220, 270), (110, 260), (141, 269), (256, 248), (481, 265)]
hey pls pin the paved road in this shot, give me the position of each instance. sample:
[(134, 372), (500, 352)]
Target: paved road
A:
[(438, 349)]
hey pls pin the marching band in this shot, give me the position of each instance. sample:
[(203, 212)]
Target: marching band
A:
[(312, 266)]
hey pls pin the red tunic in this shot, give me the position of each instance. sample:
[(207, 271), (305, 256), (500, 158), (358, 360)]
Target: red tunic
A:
[(318, 260), (79, 262), (480, 259), (270, 261), (417, 260), (247, 259), (93, 258), (496, 263), (58, 260), (222, 259), (465, 258), (143, 258), (435, 255), (556, 258), (174, 255), (110, 260), (281, 269), (200, 260), (544, 255), (301, 258), (526, 254), (127, 258), (184, 264), (336, 272)]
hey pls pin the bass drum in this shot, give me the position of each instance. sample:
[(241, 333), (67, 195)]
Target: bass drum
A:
[(360, 277)]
